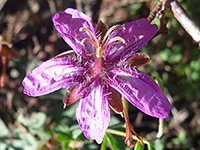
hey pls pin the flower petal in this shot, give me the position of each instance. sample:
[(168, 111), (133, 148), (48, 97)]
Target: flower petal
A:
[(68, 24), (75, 92), (136, 34), (54, 74), (116, 101), (137, 60), (141, 91), (93, 113), (71, 95)]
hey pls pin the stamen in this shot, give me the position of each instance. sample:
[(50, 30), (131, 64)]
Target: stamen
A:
[(91, 41), (117, 38), (110, 30), (99, 46), (99, 39), (90, 54), (90, 33), (103, 57)]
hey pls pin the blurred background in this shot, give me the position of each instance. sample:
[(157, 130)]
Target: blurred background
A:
[(41, 123)]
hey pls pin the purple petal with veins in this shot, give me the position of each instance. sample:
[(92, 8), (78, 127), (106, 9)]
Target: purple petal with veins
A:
[(52, 75), (99, 69), (93, 113), (140, 90)]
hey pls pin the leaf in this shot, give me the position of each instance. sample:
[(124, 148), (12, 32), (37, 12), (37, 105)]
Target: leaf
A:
[(90, 146), (4, 129), (114, 121), (22, 119), (139, 146), (65, 144), (28, 140), (43, 135), (3, 146), (10, 148), (81, 137), (104, 144), (62, 137), (38, 119), (150, 146), (76, 133), (158, 144), (115, 142)]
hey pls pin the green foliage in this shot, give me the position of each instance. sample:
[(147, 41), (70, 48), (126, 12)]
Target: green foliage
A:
[(181, 139), (115, 142), (135, 7), (4, 129), (139, 146), (150, 146), (158, 144), (104, 143)]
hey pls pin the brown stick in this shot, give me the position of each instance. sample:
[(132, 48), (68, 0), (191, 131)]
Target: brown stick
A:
[(184, 19), (155, 10)]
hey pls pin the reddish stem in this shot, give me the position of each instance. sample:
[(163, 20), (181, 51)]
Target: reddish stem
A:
[(129, 128), (3, 74)]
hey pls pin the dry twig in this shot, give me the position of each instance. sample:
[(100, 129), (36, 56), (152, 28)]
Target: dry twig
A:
[(182, 16)]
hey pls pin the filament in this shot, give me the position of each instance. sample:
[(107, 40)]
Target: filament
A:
[(110, 30), (100, 48), (90, 33), (117, 38)]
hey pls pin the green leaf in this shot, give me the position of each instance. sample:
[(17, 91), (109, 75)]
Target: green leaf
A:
[(113, 121), (22, 119), (104, 144), (38, 119), (28, 140), (3, 146), (76, 133), (10, 148), (135, 7), (138, 146), (19, 143), (150, 146), (43, 135), (158, 144), (61, 127), (90, 146), (62, 137), (115, 142), (65, 144), (4, 129), (81, 137)]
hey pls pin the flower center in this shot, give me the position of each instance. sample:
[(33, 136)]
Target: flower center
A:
[(99, 44)]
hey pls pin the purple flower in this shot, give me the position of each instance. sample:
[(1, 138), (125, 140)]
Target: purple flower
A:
[(100, 68)]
